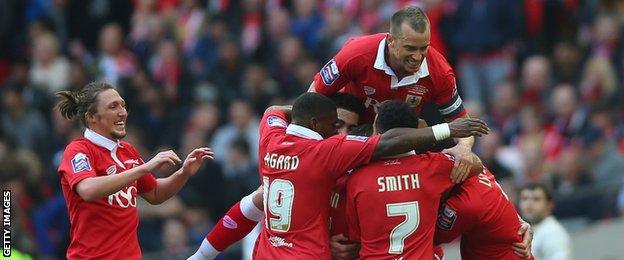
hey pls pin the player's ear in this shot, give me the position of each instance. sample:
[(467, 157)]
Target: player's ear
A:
[(314, 123), (390, 40), (89, 117)]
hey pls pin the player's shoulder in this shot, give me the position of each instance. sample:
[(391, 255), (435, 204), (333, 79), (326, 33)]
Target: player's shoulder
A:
[(363, 46), (437, 64), (79, 144), (128, 146), (435, 157)]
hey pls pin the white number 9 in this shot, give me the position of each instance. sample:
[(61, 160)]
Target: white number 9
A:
[(278, 200)]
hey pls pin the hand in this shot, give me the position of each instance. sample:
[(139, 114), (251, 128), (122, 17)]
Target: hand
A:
[(160, 159), (195, 159), (341, 249), (523, 249), (466, 127), (463, 162)]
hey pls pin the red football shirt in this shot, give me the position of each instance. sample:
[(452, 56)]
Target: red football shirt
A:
[(481, 213), (298, 170), (337, 210), (360, 69), (391, 205), (105, 228)]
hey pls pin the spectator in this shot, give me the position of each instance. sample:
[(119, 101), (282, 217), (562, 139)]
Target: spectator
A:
[(258, 88), (566, 62), (487, 60), (166, 70), (603, 159), (242, 122), (550, 241), (599, 81), (536, 80), (25, 126), (570, 173), (115, 61), (307, 24), (504, 111), (50, 70)]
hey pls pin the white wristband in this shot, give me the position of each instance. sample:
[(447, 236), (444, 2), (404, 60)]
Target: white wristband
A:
[(441, 131)]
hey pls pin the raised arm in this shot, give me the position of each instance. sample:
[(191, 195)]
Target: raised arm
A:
[(401, 140)]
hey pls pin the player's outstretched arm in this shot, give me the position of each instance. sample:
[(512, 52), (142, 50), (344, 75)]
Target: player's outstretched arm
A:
[(94, 188), (401, 140), (286, 109), (167, 187)]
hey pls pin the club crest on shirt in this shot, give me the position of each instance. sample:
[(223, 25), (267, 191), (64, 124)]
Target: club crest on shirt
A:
[(413, 100), (111, 170), (276, 121), (329, 72), (446, 218), (80, 163)]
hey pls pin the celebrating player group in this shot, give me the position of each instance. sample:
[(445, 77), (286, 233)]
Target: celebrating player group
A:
[(326, 193), (339, 175)]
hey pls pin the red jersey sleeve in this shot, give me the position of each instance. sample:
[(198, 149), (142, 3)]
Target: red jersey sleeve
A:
[(273, 121), (442, 165), (446, 98), (337, 72), (346, 152), (76, 164), (351, 216), (456, 216), (147, 182)]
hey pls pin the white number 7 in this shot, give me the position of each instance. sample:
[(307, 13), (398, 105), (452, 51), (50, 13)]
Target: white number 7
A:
[(405, 228)]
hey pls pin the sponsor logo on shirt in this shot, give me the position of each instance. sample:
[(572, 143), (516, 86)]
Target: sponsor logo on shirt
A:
[(369, 90), (132, 162), (80, 163), (329, 72), (392, 162), (446, 218), (111, 170), (356, 138), (418, 90), (276, 121), (278, 241), (124, 198)]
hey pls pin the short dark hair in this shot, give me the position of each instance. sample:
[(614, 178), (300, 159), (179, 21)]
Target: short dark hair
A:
[(539, 186), (415, 18), (309, 105), (393, 114), (77, 103), (362, 130), (348, 102)]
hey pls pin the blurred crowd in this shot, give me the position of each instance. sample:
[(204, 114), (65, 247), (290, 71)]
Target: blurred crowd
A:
[(546, 75)]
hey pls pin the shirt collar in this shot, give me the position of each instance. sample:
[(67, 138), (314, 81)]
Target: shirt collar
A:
[(303, 132), (380, 64), (100, 140)]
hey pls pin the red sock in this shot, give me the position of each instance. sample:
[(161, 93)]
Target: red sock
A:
[(233, 227)]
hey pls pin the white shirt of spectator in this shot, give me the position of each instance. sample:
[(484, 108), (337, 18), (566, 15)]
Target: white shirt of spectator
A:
[(551, 241)]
